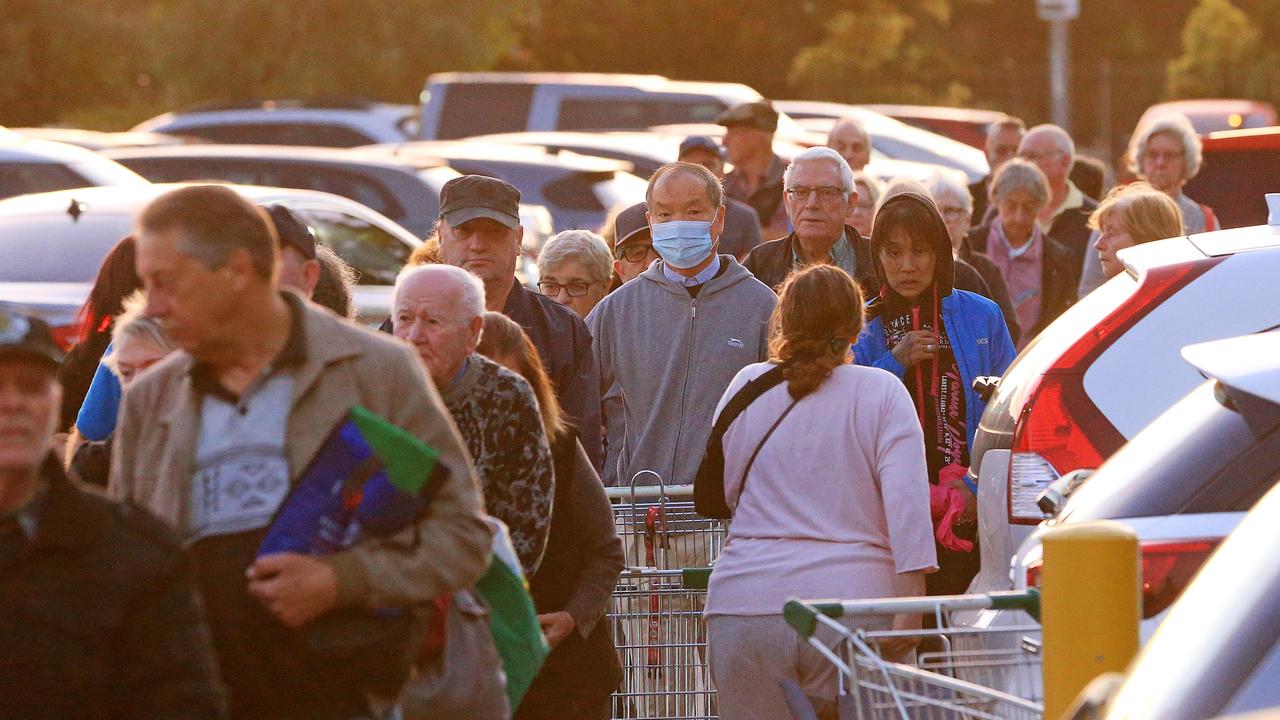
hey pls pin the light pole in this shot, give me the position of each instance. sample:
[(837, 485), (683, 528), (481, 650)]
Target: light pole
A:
[(1058, 13)]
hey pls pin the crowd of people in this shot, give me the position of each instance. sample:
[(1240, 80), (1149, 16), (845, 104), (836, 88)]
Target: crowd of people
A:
[(841, 321)]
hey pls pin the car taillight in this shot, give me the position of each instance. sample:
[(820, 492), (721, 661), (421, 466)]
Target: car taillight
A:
[(1167, 567), (1060, 429), (65, 336)]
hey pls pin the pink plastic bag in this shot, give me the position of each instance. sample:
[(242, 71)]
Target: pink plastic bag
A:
[(946, 505)]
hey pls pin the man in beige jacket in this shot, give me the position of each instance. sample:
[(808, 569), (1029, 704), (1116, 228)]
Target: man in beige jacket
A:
[(213, 438)]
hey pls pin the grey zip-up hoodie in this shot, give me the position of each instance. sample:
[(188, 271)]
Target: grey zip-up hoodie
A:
[(673, 355)]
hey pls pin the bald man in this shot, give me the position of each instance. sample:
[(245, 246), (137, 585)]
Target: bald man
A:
[(851, 139)]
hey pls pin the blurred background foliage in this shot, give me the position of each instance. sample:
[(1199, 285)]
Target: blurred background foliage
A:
[(108, 64)]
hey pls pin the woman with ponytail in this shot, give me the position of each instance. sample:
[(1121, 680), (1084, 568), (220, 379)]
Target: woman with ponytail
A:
[(825, 473), (936, 340)]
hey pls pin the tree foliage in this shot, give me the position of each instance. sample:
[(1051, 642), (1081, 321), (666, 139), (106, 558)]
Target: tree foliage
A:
[(1219, 52)]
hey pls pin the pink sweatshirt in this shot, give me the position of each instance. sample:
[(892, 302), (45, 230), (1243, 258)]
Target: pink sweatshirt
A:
[(837, 501)]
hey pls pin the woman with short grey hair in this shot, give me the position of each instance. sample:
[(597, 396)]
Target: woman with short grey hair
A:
[(574, 269), (1166, 152), (1040, 272)]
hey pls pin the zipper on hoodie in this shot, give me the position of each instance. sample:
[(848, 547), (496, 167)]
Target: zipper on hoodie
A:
[(684, 390)]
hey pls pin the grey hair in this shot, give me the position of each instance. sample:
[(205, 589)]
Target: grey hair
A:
[(1008, 122), (1177, 125), (946, 183), (714, 190), (875, 188), (584, 246), (1019, 174), (822, 152), (132, 324), (1060, 136), (470, 302)]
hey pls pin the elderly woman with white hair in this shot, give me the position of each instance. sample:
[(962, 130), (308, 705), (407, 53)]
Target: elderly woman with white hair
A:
[(1166, 152), (1040, 272), (574, 269), (864, 213), (955, 204)]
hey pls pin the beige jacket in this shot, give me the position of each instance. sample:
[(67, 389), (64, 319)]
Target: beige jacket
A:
[(346, 365)]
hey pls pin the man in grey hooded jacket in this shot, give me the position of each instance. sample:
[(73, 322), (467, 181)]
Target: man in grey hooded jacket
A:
[(675, 338)]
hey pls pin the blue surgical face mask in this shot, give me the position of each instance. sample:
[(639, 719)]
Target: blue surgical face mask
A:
[(682, 243)]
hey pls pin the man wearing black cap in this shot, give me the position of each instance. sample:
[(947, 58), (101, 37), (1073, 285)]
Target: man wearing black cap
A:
[(480, 232), (99, 619), (742, 231), (299, 267), (757, 172)]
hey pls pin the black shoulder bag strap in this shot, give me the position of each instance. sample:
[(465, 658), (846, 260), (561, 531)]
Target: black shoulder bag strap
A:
[(708, 486)]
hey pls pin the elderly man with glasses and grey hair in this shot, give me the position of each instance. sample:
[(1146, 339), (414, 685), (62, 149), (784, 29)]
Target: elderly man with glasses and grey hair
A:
[(819, 195), (1065, 216)]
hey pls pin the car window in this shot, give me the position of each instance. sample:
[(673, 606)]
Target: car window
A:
[(313, 134), (633, 113), (1260, 690), (484, 108), (66, 251), (18, 178), (1200, 456), (375, 254), (576, 191), (1234, 185)]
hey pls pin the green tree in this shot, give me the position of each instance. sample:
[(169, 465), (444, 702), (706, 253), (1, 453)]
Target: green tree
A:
[(1220, 44)]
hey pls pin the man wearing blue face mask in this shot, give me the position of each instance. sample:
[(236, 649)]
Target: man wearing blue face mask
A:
[(675, 338)]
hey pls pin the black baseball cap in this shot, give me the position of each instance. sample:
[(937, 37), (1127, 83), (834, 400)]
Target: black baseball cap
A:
[(29, 337), (631, 226), (701, 142), (759, 114), (292, 232), (476, 196)]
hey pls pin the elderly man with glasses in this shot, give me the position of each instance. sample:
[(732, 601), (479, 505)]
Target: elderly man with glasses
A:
[(1065, 217), (819, 194)]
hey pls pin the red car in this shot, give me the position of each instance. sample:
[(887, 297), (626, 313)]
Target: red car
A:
[(1240, 167)]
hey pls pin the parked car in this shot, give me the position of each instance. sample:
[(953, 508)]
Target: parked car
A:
[(1218, 651), (892, 138), (644, 151), (1212, 115), (1107, 367), (51, 244), (1185, 481), (459, 105), (322, 122), (578, 190), (405, 189), (35, 166), (99, 140), (1239, 168), (966, 125)]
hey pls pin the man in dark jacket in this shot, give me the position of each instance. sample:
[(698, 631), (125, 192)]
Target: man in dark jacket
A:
[(1003, 139), (819, 193), (757, 172), (480, 232), (99, 618), (1066, 216)]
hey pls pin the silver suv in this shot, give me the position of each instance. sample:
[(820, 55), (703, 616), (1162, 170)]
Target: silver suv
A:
[(322, 123)]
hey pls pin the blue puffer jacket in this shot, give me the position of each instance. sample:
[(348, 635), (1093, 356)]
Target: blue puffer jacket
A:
[(979, 338)]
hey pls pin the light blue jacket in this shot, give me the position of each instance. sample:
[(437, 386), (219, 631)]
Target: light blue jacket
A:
[(979, 338)]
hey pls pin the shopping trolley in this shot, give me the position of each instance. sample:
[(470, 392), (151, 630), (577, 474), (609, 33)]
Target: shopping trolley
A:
[(660, 528), (965, 673), (661, 639)]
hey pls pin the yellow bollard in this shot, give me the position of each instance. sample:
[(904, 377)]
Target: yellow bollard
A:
[(1090, 607)]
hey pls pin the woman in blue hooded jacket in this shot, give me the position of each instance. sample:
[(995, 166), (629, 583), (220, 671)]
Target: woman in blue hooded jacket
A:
[(937, 340)]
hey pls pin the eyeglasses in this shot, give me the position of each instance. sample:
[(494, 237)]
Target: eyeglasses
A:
[(1031, 156), (953, 213), (634, 253), (826, 193), (1159, 155), (575, 289)]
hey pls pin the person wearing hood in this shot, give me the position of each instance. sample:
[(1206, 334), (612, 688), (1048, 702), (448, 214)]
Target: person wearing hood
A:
[(675, 338), (937, 339)]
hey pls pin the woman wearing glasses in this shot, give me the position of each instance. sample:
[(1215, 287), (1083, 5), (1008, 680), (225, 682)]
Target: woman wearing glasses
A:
[(574, 269)]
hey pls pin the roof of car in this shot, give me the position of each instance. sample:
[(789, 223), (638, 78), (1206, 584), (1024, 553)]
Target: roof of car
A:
[(652, 83), (275, 111), (117, 200), (1250, 363), (17, 147), (299, 153), (1267, 138), (470, 150), (99, 140)]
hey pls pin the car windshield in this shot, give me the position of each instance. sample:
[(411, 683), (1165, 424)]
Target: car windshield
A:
[(374, 253), (20, 178), (55, 248)]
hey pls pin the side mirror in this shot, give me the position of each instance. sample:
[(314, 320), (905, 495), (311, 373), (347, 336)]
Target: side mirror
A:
[(985, 386), (1053, 498)]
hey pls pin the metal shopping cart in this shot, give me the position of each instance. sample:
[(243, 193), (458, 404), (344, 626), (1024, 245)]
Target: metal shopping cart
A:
[(980, 673), (659, 527), (660, 635)]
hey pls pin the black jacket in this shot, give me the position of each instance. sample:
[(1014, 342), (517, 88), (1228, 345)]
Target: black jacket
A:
[(1071, 230), (578, 573), (1060, 277), (99, 619), (771, 262), (564, 343), (999, 290)]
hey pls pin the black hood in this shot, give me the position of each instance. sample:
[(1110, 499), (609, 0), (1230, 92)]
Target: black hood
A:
[(944, 265)]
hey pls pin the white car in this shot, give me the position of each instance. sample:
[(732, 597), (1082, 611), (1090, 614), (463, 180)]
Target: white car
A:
[(1107, 367), (1185, 481), (34, 166), (323, 123), (51, 244)]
